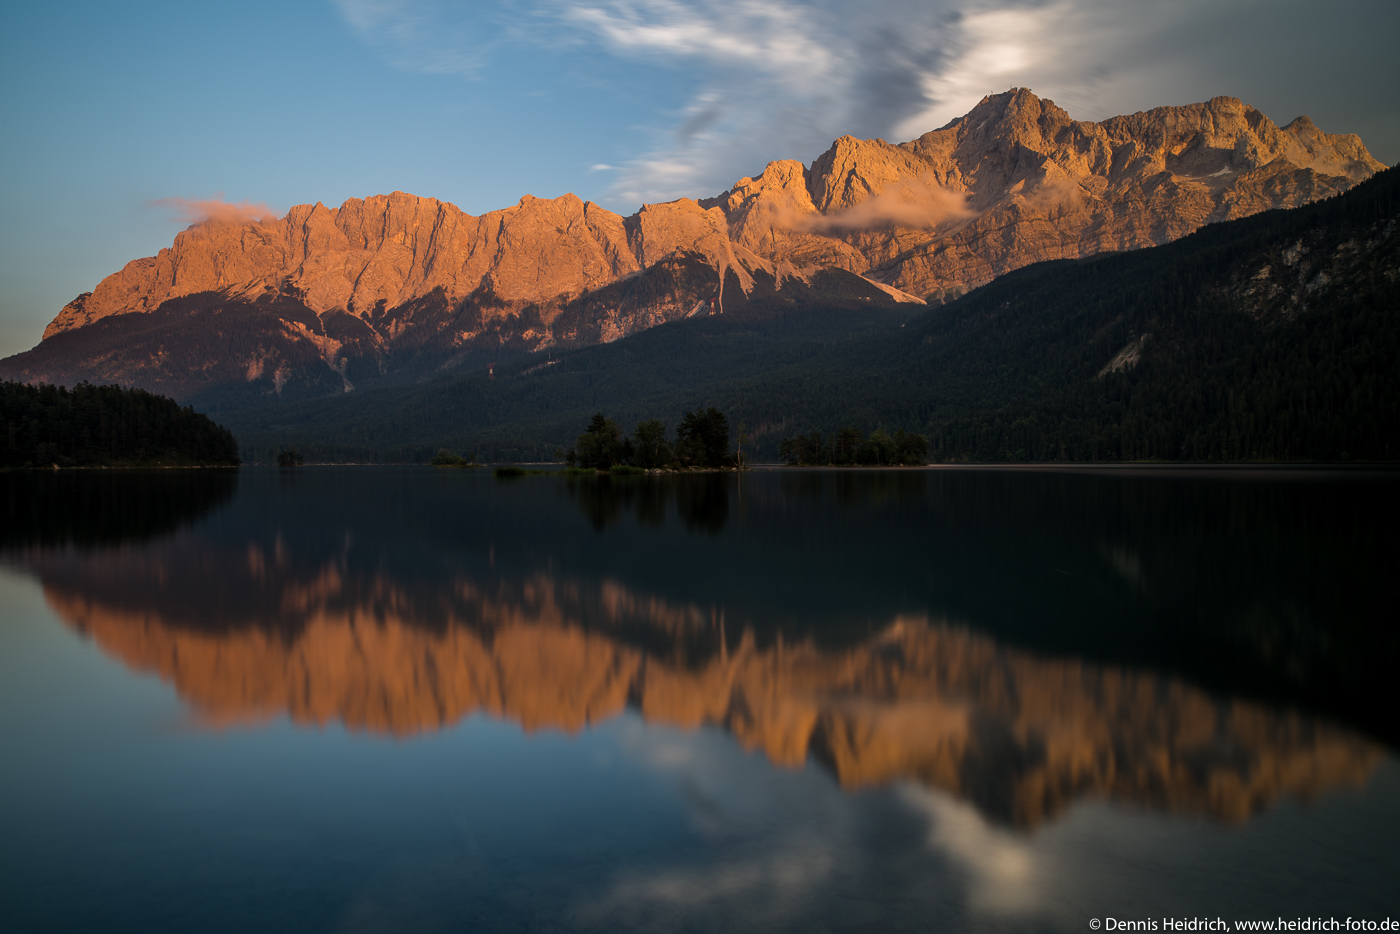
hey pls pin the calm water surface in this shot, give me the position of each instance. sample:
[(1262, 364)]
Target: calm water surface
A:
[(366, 699)]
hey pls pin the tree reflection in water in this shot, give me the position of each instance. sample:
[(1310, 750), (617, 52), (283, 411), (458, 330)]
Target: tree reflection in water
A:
[(701, 500), (92, 508)]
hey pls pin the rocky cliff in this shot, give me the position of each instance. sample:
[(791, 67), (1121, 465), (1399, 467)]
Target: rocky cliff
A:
[(325, 298)]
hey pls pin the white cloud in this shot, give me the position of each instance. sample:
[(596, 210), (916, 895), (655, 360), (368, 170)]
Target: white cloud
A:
[(994, 49), (1005, 873), (768, 37), (780, 79), (776, 837)]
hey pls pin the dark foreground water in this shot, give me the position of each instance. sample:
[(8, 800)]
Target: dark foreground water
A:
[(928, 700)]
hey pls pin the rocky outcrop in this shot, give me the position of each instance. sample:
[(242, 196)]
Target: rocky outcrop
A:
[(398, 282), (1017, 181)]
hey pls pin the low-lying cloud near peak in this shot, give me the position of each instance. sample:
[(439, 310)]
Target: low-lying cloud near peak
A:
[(910, 203), (196, 211)]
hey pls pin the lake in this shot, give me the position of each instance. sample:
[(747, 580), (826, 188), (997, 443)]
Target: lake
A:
[(406, 699)]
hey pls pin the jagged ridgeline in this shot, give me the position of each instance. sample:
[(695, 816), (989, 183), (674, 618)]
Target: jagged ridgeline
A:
[(106, 426)]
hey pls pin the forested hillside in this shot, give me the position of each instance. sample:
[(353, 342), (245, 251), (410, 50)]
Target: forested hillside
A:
[(105, 426), (529, 406), (1269, 338)]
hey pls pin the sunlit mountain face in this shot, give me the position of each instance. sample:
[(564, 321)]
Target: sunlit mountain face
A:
[(1019, 640)]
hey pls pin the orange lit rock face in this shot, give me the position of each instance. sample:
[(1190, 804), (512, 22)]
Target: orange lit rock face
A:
[(1020, 736), (386, 249), (1014, 182)]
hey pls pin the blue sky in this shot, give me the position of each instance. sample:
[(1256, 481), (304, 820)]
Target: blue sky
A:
[(108, 108)]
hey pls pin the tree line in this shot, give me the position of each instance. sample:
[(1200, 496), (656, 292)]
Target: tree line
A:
[(849, 446), (105, 426), (702, 441)]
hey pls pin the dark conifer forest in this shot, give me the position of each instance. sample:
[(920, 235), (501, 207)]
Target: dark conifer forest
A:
[(105, 426)]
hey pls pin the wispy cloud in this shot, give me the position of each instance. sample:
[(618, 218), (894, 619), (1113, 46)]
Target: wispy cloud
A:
[(780, 79), (195, 211), (434, 36), (772, 37)]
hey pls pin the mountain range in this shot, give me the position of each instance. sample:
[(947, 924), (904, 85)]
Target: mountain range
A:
[(393, 290)]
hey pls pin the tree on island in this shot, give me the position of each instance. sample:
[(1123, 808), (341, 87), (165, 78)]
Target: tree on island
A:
[(846, 446), (650, 449), (445, 458), (806, 450), (702, 441), (601, 445)]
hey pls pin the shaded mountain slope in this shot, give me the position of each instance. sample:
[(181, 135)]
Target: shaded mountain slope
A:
[(530, 404)]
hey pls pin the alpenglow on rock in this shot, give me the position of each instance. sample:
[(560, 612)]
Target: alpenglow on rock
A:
[(327, 297)]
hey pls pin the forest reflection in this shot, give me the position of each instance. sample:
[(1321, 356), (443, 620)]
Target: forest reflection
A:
[(701, 500), (95, 508)]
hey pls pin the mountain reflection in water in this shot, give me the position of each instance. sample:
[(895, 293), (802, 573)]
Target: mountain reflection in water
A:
[(1022, 641), (1019, 736)]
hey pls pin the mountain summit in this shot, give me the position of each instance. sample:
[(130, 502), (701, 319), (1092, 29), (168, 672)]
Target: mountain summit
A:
[(326, 298)]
